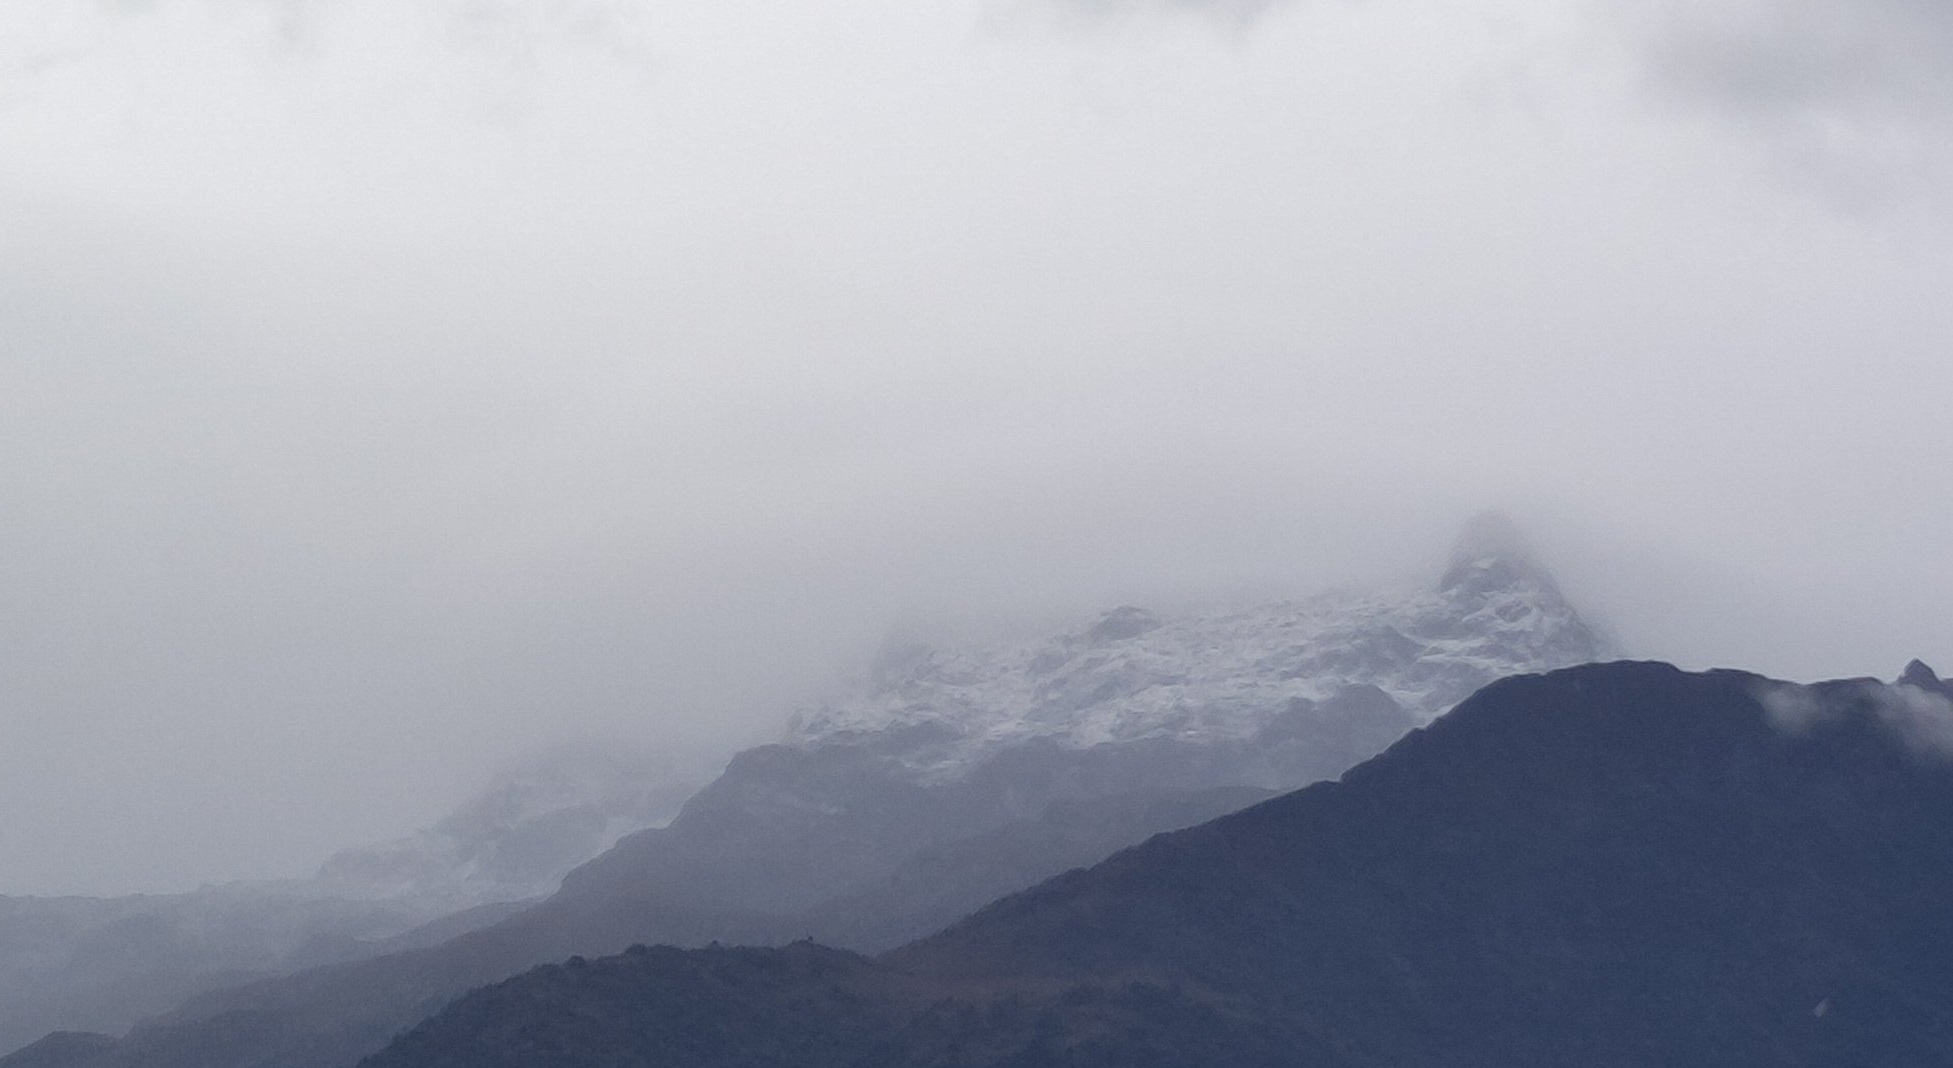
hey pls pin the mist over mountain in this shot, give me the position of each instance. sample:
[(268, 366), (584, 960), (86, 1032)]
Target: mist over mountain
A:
[(520, 836), (952, 776), (394, 386), (102, 964), (1219, 676), (1611, 865), (392, 389), (938, 745)]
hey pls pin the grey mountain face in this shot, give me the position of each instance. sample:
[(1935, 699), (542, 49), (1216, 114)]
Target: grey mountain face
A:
[(938, 745)]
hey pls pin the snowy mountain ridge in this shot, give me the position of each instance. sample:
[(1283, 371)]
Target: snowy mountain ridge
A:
[(1215, 675)]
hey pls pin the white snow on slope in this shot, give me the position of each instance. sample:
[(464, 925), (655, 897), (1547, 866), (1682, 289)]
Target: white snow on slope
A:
[(1214, 675)]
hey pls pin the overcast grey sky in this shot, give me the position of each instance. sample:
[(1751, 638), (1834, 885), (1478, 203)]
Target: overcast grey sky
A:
[(388, 387)]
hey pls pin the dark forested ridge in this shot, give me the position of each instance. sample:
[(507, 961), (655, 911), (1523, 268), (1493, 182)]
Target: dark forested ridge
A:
[(1611, 865)]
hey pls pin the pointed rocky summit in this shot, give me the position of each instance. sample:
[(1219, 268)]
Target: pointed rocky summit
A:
[(1919, 676)]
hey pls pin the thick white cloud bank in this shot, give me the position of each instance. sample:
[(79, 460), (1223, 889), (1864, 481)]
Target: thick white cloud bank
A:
[(388, 388), (1851, 98)]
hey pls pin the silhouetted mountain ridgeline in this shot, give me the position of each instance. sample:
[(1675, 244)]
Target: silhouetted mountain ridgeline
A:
[(1612, 865)]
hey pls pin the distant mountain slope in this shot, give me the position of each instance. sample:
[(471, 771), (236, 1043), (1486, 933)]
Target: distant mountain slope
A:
[(102, 964), (954, 776), (82, 963), (1611, 865), (520, 836), (330, 1016)]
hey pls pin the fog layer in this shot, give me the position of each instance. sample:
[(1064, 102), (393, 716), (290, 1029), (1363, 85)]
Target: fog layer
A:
[(388, 389)]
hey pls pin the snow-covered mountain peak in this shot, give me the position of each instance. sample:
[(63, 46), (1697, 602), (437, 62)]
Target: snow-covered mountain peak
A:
[(1218, 674)]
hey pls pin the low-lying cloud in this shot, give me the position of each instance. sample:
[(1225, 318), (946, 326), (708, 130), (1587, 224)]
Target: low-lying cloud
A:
[(389, 388), (1923, 718)]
